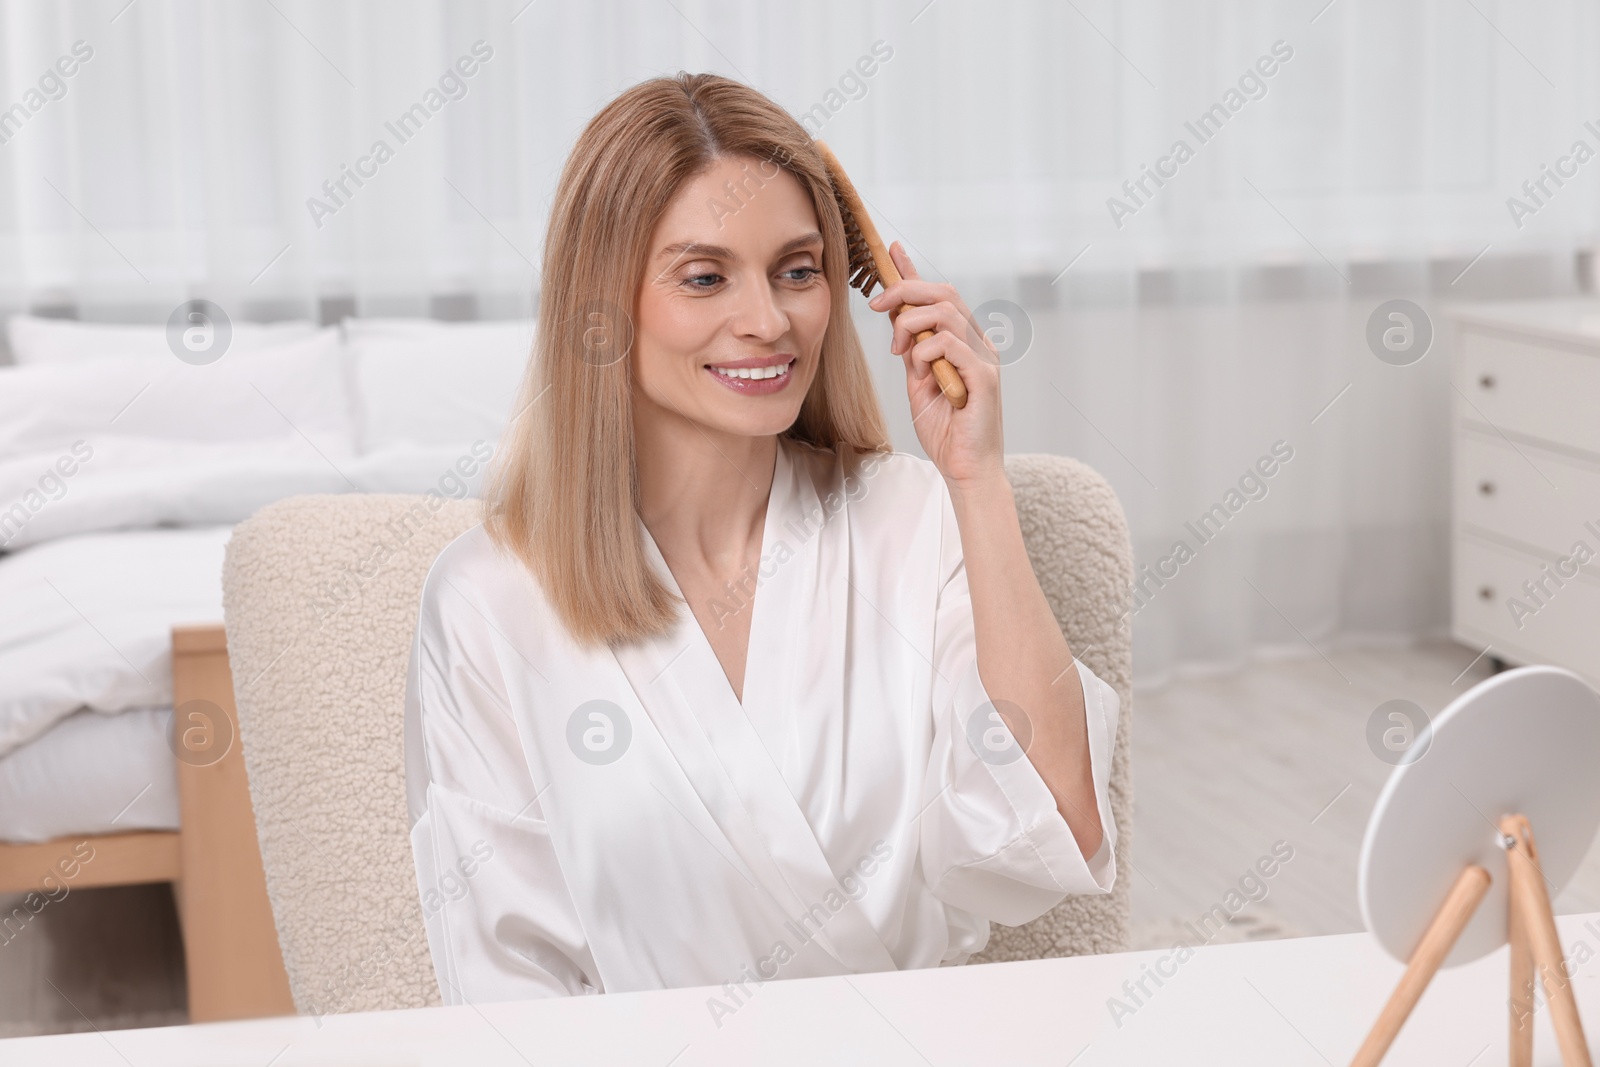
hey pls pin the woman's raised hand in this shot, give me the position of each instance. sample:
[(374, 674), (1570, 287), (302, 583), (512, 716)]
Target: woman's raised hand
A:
[(966, 444)]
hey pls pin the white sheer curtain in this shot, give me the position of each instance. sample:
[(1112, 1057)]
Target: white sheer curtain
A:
[(1225, 313)]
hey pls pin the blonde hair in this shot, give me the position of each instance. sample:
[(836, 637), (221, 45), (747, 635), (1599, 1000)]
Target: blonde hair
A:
[(564, 493)]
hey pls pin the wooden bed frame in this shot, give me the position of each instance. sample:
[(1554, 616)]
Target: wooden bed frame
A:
[(230, 944)]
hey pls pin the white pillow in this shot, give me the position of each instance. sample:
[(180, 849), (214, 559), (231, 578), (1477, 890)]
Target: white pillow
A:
[(296, 390), (34, 340), (424, 382)]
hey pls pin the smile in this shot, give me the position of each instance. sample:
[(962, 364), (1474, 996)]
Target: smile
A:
[(756, 372), (754, 380)]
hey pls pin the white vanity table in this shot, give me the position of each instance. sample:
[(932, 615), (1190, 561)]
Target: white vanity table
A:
[(1273, 1003)]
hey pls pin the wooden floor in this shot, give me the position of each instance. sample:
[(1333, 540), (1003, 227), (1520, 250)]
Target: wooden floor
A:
[(1224, 767)]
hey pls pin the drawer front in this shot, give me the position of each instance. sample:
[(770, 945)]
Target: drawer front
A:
[(1541, 390), (1497, 489), (1564, 631)]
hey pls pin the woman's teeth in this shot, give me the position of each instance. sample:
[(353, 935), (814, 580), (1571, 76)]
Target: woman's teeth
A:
[(756, 372)]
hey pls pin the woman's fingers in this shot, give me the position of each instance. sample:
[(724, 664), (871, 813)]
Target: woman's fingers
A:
[(916, 292), (915, 306), (913, 320), (911, 288), (902, 261), (968, 364), (905, 357), (941, 318)]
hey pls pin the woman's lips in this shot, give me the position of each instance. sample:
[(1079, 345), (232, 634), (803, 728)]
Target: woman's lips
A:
[(755, 386)]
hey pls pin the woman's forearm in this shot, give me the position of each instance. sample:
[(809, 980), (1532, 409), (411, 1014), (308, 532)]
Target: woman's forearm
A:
[(1023, 659)]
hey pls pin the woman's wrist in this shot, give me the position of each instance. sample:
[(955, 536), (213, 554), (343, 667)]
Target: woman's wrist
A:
[(981, 492)]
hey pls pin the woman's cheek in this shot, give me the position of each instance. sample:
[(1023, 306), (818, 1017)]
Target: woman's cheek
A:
[(815, 310), (694, 323)]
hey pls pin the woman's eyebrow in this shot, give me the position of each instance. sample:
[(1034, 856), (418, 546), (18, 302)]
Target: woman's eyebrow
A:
[(800, 242), (697, 249), (692, 249)]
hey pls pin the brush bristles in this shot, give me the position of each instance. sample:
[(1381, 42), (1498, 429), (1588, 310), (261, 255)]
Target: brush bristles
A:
[(862, 269)]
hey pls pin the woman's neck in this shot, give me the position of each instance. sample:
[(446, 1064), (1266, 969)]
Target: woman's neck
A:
[(702, 494)]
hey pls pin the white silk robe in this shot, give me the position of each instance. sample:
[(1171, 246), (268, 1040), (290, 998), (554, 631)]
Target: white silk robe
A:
[(588, 821)]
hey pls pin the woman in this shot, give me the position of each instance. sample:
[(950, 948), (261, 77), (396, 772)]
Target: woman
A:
[(804, 774)]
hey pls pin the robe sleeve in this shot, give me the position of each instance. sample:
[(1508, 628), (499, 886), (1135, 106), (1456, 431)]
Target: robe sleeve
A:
[(500, 920), (992, 841)]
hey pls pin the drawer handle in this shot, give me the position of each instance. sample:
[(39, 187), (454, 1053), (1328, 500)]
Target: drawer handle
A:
[(1486, 592), (1486, 488), (1487, 381)]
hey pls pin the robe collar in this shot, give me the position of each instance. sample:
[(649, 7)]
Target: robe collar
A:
[(798, 623)]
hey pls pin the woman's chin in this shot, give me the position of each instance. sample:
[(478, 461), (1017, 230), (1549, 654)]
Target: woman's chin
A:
[(752, 407), (718, 408), (769, 420)]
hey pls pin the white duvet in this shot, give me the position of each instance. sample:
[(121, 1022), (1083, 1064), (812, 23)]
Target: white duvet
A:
[(131, 483), (122, 471), (88, 621), (131, 543)]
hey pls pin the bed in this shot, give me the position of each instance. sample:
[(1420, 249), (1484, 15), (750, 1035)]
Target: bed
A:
[(122, 473)]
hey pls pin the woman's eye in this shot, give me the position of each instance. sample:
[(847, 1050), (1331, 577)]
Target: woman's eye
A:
[(802, 274), (702, 281)]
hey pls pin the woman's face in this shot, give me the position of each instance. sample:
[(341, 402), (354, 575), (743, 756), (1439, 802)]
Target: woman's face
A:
[(734, 280)]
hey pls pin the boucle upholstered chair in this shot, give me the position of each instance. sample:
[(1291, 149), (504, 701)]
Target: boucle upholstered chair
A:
[(321, 596)]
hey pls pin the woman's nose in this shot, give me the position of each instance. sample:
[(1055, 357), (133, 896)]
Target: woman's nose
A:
[(757, 315)]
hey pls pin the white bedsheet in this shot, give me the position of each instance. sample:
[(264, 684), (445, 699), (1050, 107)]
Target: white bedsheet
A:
[(91, 774)]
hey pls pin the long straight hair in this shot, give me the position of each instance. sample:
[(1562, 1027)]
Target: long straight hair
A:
[(564, 493)]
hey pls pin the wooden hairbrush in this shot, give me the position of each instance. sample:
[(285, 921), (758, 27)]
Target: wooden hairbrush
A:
[(870, 263)]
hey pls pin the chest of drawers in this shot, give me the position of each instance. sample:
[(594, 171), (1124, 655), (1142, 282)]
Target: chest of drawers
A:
[(1525, 502)]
